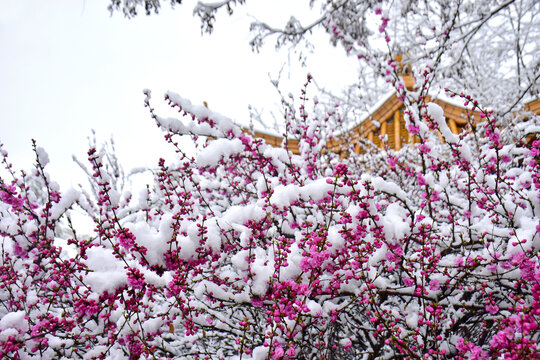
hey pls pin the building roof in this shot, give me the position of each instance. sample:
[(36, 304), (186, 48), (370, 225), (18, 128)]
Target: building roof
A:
[(386, 118)]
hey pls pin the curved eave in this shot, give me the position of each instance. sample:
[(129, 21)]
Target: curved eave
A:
[(386, 110)]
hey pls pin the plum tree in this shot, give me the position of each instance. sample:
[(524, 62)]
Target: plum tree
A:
[(248, 251)]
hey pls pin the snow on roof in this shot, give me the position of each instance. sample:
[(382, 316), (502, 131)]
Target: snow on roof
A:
[(455, 101), (379, 104)]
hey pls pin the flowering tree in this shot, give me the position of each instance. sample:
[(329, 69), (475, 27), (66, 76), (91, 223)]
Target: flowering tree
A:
[(247, 251)]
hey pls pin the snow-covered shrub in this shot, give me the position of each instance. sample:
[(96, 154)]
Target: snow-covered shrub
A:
[(248, 251)]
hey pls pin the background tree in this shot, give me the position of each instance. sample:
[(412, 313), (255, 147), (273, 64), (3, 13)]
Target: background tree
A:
[(484, 48), (130, 8)]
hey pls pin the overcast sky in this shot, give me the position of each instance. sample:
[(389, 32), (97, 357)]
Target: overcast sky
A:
[(67, 66)]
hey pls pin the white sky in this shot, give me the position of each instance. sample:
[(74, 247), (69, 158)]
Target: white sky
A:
[(67, 67)]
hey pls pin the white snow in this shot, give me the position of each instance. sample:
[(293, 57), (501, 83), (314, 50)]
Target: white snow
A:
[(377, 256), (526, 236), (155, 242), (260, 353), (395, 222), (42, 156), (412, 316), (187, 247), (335, 240), (314, 307), (387, 187), (284, 195), (223, 124), (437, 114), (14, 320), (152, 325), (108, 272), (263, 268), (69, 197), (217, 150), (7, 333)]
